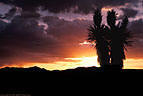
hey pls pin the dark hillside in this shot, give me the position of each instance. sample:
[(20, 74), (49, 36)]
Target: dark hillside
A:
[(35, 80)]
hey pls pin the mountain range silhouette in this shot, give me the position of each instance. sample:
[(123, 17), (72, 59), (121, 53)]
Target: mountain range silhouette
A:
[(39, 81), (79, 70)]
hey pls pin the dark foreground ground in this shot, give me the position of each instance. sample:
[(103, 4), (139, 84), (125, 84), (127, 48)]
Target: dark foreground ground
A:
[(38, 82)]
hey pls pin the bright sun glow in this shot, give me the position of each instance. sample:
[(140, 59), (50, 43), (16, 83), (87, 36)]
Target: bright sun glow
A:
[(86, 61), (69, 63)]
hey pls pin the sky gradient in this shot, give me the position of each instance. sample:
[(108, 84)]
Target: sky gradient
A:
[(52, 33)]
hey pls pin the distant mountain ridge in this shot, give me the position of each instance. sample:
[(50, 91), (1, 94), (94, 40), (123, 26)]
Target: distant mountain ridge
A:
[(18, 69), (38, 69), (78, 70)]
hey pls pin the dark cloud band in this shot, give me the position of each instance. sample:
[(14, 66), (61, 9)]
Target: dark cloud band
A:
[(56, 6)]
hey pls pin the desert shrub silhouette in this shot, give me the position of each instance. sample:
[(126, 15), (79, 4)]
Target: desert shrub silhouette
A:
[(97, 35), (111, 40)]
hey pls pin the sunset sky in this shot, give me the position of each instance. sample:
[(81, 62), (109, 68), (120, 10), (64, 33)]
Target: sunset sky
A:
[(52, 34)]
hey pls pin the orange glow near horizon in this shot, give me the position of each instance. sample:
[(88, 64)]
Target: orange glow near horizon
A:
[(80, 62), (133, 64)]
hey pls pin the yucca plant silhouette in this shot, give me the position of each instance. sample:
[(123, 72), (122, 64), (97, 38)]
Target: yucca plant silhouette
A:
[(96, 34), (119, 38)]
